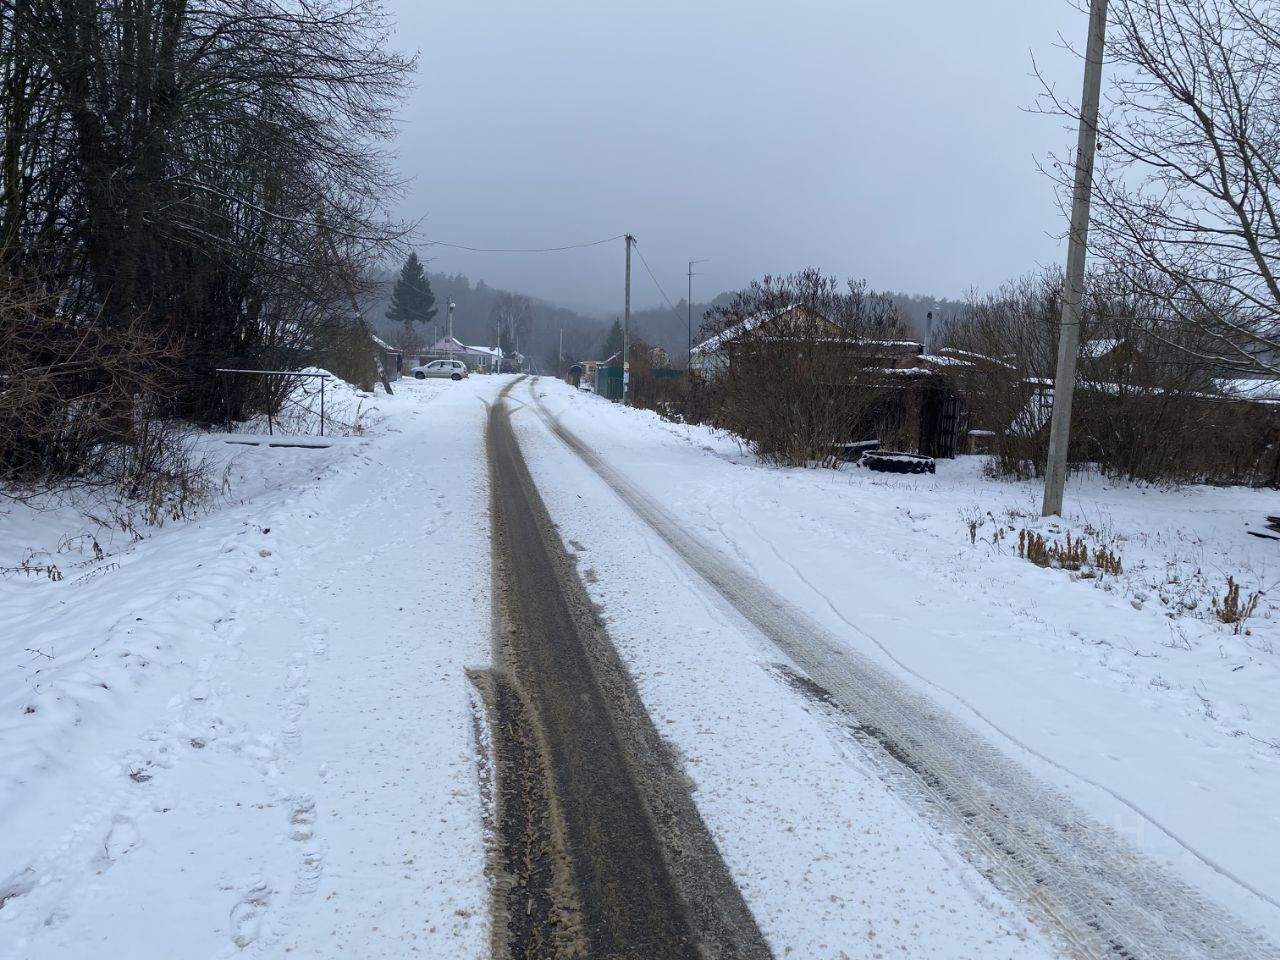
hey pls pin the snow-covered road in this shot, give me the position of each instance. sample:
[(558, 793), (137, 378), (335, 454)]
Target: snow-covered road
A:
[(1088, 887), (1162, 729), (830, 861), (253, 733)]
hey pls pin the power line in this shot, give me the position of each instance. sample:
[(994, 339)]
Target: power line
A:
[(570, 246), (655, 280)]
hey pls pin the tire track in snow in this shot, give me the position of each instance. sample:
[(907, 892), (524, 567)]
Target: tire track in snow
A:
[(976, 712), (1079, 879), (601, 850)]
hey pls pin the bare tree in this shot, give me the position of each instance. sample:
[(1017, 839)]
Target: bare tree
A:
[(1187, 189), (202, 179), (512, 315), (79, 403), (1010, 336), (1147, 406), (802, 364)]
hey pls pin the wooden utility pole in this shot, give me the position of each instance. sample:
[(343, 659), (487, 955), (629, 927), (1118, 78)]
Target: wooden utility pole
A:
[(626, 322), (688, 303), (1064, 380)]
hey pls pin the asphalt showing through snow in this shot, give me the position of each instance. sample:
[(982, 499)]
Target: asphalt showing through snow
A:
[(601, 852)]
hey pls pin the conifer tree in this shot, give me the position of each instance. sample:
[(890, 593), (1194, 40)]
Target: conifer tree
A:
[(412, 301), (613, 342)]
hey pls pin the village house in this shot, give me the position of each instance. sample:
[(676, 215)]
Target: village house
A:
[(480, 359), (921, 408)]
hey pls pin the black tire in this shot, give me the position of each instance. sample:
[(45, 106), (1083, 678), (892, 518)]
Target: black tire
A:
[(419, 375), (456, 376), (891, 462)]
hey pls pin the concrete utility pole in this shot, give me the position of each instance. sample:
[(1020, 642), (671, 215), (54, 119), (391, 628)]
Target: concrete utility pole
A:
[(931, 319), (451, 306), (626, 322), (688, 303), (1064, 381)]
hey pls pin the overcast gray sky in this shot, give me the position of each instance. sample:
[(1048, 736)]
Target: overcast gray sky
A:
[(882, 140)]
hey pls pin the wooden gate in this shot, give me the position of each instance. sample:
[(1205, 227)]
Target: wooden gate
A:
[(940, 424)]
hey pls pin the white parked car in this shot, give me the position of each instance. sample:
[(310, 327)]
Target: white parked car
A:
[(451, 369)]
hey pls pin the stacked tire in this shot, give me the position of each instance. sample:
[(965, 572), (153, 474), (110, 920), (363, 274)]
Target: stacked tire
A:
[(888, 461)]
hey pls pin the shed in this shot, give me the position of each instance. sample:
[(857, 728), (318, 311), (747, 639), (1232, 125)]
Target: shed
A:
[(392, 360)]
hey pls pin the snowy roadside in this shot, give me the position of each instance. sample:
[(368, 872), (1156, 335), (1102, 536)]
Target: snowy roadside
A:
[(1160, 727), (831, 864), (252, 732)]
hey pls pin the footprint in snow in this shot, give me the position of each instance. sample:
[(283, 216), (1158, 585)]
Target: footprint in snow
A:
[(247, 914), (310, 869), (297, 674), (302, 819), (121, 838), (18, 885), (291, 734)]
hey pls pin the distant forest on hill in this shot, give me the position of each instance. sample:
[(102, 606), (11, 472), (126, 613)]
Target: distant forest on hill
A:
[(584, 334)]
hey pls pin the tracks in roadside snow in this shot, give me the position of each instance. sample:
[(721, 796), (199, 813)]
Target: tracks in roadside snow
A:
[(1079, 880), (599, 850)]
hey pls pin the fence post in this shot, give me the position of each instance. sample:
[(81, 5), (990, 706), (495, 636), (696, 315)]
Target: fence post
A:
[(322, 379)]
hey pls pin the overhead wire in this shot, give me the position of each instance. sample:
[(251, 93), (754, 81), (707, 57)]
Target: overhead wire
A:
[(655, 280), (572, 246), (568, 246)]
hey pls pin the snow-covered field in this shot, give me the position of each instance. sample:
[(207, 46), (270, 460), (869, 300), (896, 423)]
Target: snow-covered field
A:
[(252, 732)]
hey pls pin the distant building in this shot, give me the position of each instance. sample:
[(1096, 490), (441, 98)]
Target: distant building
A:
[(773, 329), (921, 406), (391, 357), (482, 359)]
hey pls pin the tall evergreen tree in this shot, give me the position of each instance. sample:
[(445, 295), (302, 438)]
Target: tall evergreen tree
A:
[(412, 300), (613, 342)]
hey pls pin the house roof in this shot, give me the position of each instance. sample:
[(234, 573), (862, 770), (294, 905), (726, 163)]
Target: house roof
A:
[(711, 344), (657, 355), (1039, 407), (971, 357), (907, 371), (1261, 390), (454, 345), (914, 345), (1095, 349), (448, 345), (382, 344), (756, 320)]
